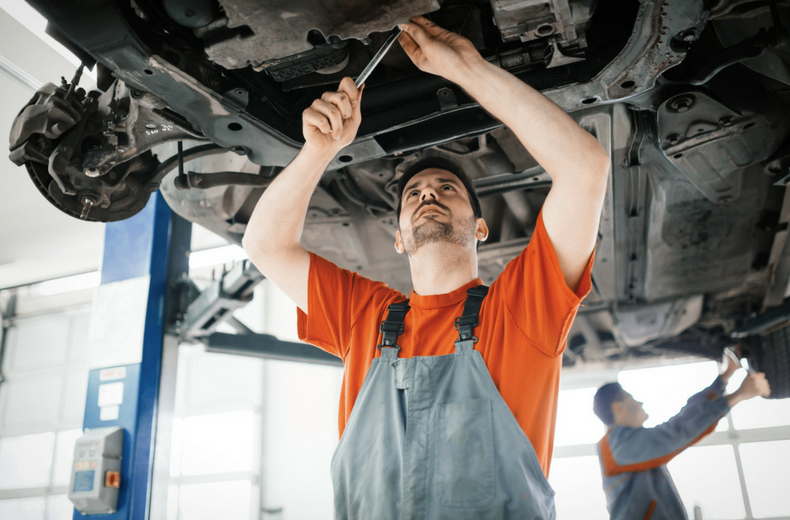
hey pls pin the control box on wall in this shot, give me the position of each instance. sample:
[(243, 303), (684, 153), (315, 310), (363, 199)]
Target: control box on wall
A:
[(96, 471)]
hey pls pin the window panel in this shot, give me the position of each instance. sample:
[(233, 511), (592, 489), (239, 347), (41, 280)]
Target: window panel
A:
[(577, 482), (300, 437), (64, 455), (172, 503), (225, 500), (78, 337), (182, 375), (23, 508), (761, 413), (39, 343), (74, 398), (221, 379), (33, 403), (766, 468), (707, 476), (217, 443), (26, 461), (576, 422), (177, 434), (59, 507)]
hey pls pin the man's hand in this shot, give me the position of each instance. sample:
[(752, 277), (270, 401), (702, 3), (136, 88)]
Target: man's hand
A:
[(331, 123), (272, 238), (755, 384), (578, 165), (435, 50)]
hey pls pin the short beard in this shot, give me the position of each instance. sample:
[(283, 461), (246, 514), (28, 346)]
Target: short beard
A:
[(456, 232)]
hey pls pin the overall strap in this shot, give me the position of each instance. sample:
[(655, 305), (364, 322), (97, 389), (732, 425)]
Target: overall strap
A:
[(465, 325), (392, 326)]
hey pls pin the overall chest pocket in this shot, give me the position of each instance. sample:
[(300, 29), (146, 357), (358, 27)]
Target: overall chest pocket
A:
[(464, 472)]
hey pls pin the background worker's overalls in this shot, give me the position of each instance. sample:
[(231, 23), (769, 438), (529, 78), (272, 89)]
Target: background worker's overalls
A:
[(431, 438), (633, 460)]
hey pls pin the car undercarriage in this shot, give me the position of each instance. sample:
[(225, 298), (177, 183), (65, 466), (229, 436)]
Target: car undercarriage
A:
[(689, 97)]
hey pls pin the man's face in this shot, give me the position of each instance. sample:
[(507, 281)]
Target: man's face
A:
[(435, 207), (630, 412)]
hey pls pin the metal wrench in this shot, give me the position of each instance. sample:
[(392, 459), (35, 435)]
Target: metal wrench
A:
[(363, 76)]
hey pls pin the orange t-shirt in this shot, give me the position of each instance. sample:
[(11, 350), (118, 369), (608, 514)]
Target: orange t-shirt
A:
[(524, 323)]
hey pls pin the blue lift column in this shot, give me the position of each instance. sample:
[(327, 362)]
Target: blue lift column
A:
[(144, 257)]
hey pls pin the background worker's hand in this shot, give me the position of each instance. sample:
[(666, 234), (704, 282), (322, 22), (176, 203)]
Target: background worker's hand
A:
[(330, 123), (436, 50), (755, 385)]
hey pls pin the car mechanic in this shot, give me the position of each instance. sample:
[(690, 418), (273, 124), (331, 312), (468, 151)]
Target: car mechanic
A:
[(633, 458), (437, 422)]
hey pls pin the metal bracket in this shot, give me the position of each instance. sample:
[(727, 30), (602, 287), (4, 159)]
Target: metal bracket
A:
[(236, 99), (268, 347), (446, 98), (216, 303)]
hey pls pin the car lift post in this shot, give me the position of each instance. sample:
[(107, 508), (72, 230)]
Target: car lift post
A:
[(130, 349), (144, 308)]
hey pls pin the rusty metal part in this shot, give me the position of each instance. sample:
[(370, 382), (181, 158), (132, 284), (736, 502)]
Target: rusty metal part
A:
[(50, 113), (276, 29), (652, 49), (529, 20), (90, 155), (97, 200), (132, 122)]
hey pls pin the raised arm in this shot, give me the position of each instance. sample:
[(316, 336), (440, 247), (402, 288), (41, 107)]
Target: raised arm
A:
[(626, 449), (576, 162), (273, 235)]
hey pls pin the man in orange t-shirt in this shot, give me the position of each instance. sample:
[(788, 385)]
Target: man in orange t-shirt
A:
[(449, 398)]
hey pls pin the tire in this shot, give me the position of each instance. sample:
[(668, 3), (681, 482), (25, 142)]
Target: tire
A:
[(772, 356)]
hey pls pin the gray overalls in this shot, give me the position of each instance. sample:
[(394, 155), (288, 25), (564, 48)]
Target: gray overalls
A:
[(431, 438)]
